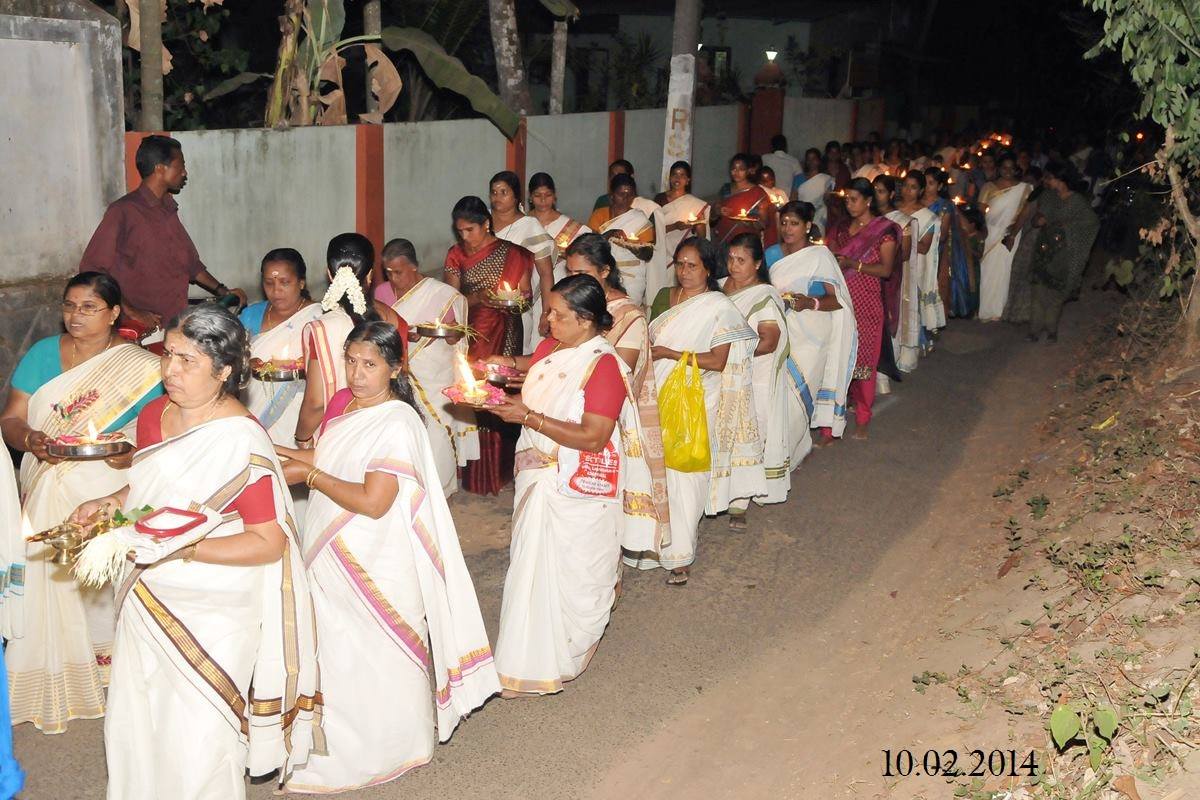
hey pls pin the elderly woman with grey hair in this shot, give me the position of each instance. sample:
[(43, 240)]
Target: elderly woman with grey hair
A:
[(198, 624)]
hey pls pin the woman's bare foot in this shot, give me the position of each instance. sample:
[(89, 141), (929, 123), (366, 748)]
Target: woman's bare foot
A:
[(511, 694), (738, 522), (860, 433), (678, 577)]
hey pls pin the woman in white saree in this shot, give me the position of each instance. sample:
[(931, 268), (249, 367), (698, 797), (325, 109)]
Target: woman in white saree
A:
[(696, 317), (60, 634), (275, 326), (778, 409), (630, 233), (349, 261), (543, 201), (920, 269), (1003, 199), (511, 224), (906, 344), (813, 185), (682, 212), (419, 299), (822, 333), (205, 616), (925, 255), (397, 618), (647, 514), (578, 443)]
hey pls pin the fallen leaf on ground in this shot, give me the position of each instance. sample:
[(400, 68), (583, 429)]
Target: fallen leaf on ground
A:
[(1127, 786), (1008, 564)]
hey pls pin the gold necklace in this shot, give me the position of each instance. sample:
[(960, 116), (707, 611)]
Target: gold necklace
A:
[(75, 350), (354, 401), (215, 403)]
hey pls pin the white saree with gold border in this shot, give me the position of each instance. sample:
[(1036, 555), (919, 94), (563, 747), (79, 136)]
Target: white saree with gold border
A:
[(452, 431), (58, 665), (214, 670), (399, 630), (698, 325), (634, 225), (564, 560), (325, 340), (527, 232), (995, 266), (277, 404), (657, 274), (776, 408)]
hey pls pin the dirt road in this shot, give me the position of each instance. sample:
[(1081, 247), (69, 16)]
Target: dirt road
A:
[(784, 667)]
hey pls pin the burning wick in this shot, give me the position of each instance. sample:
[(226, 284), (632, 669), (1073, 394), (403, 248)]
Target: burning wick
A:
[(472, 388), (92, 433)]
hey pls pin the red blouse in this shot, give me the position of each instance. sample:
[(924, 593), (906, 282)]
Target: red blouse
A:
[(336, 406), (604, 393), (256, 503)]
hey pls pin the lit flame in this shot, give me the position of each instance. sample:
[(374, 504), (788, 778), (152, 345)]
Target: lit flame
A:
[(92, 433), (470, 385), (504, 287)]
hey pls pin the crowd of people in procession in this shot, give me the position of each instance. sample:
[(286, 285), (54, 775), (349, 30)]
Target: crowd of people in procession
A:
[(795, 297)]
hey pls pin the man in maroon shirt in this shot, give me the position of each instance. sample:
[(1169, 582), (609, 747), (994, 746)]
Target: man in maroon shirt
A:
[(142, 244)]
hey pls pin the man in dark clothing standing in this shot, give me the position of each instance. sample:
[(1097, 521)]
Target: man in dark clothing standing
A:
[(143, 245)]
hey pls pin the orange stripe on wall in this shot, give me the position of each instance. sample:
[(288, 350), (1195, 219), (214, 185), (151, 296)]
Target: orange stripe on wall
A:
[(616, 135), (516, 151), (132, 140), (369, 187)]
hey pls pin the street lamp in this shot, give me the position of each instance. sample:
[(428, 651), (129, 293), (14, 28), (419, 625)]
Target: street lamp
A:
[(771, 54)]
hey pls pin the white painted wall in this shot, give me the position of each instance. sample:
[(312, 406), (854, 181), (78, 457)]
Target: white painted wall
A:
[(48, 171), (716, 142), (644, 130), (573, 149), (428, 166), (250, 191), (811, 122)]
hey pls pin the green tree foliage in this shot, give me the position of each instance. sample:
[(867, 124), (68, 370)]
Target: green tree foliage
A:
[(1159, 43)]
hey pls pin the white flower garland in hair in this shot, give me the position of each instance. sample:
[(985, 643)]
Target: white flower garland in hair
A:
[(345, 284)]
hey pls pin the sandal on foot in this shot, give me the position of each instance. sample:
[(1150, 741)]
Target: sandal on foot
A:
[(677, 578), (738, 522)]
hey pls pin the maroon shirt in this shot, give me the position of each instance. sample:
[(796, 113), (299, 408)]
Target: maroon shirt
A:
[(142, 244)]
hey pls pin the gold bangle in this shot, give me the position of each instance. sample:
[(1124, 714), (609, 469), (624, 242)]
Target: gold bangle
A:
[(312, 477), (525, 419), (513, 359), (859, 267), (542, 423), (28, 433)]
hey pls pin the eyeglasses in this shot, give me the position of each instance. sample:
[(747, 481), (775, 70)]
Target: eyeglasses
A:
[(85, 310)]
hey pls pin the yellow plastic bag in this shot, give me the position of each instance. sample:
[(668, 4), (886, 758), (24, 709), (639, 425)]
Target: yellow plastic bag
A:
[(684, 419)]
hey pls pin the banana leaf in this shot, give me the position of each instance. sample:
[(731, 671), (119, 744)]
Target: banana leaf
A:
[(327, 19), (233, 84), (561, 8), (447, 72)]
